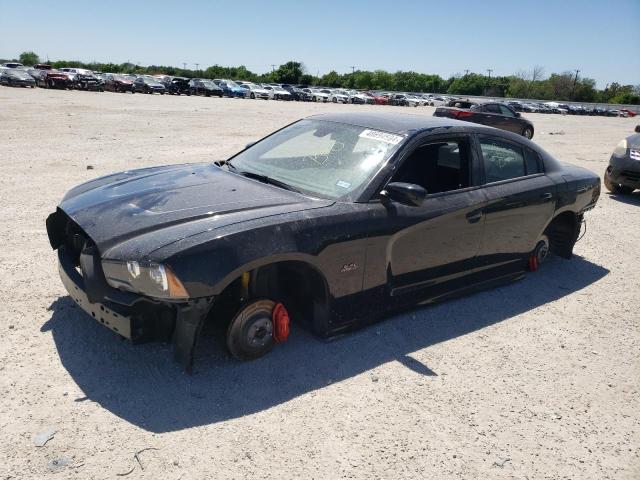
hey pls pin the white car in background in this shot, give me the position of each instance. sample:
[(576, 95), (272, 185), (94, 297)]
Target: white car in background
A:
[(320, 95), (418, 98), (339, 96), (360, 97), (255, 91), (280, 93), (439, 101)]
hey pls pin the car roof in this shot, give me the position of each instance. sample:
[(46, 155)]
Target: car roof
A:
[(392, 122)]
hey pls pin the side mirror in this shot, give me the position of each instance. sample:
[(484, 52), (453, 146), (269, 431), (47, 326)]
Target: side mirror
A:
[(250, 144), (637, 128), (405, 193), (517, 114)]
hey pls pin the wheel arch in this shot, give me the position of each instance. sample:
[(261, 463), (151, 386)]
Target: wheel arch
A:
[(295, 281), (562, 231)]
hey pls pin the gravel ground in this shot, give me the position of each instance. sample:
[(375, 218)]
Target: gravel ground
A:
[(538, 379)]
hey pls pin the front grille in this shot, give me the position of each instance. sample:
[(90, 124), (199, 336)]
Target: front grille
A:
[(633, 176)]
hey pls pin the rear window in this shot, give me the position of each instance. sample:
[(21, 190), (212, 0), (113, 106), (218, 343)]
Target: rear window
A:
[(533, 161), (502, 160)]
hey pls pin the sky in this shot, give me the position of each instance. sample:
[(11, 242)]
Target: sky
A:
[(600, 38)]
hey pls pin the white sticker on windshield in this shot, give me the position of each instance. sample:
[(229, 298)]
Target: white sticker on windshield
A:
[(343, 184), (381, 136)]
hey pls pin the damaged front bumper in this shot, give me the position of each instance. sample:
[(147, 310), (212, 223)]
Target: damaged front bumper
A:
[(133, 316), (136, 317), (624, 171)]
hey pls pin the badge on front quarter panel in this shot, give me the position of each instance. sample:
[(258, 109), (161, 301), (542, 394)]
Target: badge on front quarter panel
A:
[(349, 267)]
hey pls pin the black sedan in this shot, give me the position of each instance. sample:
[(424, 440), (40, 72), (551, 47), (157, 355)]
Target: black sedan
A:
[(14, 77), (623, 173), (203, 86), (148, 85), (332, 222), (492, 114)]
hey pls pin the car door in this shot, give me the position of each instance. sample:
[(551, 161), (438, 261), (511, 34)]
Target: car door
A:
[(520, 199), (415, 248), (490, 115), (509, 120)]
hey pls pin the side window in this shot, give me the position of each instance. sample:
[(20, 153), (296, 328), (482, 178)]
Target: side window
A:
[(505, 111), (491, 108), (502, 160), (437, 167), (532, 161)]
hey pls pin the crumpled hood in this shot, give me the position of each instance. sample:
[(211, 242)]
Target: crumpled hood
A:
[(633, 141), (160, 205)]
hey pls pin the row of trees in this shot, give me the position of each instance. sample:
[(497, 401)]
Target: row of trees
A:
[(533, 84)]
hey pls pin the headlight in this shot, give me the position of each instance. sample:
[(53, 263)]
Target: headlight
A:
[(149, 278), (621, 148)]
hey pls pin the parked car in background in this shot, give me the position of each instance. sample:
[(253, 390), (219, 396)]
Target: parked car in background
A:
[(118, 83), (359, 98), (492, 114), (409, 209), (623, 173), (150, 85), (256, 91), (280, 93), (378, 98), (299, 94), (627, 113), (461, 103), (338, 96), (12, 65), (87, 80), (230, 88), (178, 86), (320, 95), (15, 77), (204, 86), (403, 100), (54, 79)]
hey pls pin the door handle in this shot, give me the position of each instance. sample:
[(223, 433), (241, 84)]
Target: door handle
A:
[(546, 196), (474, 217)]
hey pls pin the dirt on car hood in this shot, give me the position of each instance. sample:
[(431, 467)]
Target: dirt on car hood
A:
[(163, 204)]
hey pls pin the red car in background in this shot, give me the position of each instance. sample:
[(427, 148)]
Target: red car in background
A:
[(379, 99), (117, 83), (627, 113)]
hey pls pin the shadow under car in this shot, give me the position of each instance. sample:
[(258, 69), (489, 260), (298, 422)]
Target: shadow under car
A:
[(144, 386)]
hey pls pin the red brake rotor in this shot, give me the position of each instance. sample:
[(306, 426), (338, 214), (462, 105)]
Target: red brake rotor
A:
[(280, 318)]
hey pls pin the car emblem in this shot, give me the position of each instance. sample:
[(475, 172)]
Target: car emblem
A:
[(349, 267)]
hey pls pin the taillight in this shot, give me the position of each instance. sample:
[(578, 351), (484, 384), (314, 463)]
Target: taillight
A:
[(462, 113)]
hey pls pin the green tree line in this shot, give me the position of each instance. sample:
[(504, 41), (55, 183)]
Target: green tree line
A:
[(565, 86)]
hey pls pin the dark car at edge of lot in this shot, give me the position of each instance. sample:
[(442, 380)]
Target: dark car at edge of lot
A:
[(177, 85), (623, 173), (117, 83), (331, 222), (148, 85), (492, 114), (14, 77), (204, 86)]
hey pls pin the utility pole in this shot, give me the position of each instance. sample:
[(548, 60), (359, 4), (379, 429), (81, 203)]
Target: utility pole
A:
[(487, 90), (273, 67), (197, 65), (184, 65), (466, 72), (575, 80), (353, 69)]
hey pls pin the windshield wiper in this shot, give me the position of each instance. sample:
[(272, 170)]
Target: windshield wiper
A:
[(225, 163), (256, 176), (265, 179)]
